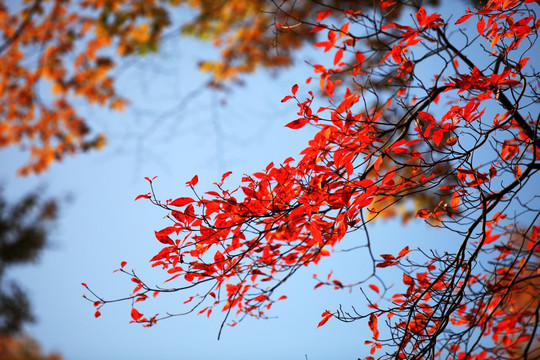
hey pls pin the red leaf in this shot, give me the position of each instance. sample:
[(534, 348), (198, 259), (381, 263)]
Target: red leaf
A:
[(492, 172), (365, 183), (387, 3), (374, 288), (404, 252), (141, 297), (219, 260), (360, 57), (522, 63), (329, 88), (294, 89), (338, 56), (421, 16), (84, 284), (297, 124), (260, 298), (181, 201), (386, 264), (373, 325), (135, 315), (424, 213), (490, 238), (377, 163), (163, 237), (323, 15), (463, 18), (407, 280), (163, 253), (122, 264), (327, 45), (396, 54), (137, 288), (480, 25), (193, 181), (146, 196), (226, 175), (325, 317), (388, 257), (286, 98), (97, 314)]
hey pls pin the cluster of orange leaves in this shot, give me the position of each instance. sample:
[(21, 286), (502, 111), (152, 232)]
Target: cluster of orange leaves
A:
[(39, 82), (22, 348), (53, 52)]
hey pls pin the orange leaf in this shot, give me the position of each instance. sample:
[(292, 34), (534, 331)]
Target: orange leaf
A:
[(455, 200), (344, 30), (377, 163)]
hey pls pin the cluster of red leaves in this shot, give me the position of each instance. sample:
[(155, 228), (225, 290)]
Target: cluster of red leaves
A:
[(241, 244)]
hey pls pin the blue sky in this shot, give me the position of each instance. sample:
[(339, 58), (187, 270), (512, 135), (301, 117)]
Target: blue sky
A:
[(173, 133)]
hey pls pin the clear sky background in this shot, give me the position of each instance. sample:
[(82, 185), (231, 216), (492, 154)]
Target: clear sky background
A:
[(175, 129)]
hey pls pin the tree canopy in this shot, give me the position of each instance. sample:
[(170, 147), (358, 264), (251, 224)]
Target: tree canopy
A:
[(434, 114), (54, 52)]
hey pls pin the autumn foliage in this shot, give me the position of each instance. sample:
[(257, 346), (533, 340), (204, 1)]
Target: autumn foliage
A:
[(70, 50), (23, 348), (434, 116)]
